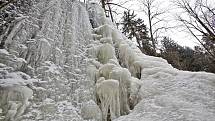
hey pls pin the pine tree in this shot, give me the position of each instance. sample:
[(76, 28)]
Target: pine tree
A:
[(136, 29), (170, 52)]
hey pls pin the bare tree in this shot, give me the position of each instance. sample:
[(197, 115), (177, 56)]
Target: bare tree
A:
[(104, 4), (107, 6), (198, 19), (155, 16)]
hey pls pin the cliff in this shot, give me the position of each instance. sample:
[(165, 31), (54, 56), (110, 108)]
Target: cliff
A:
[(67, 61)]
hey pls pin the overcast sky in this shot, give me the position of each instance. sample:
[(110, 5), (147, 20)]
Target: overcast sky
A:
[(179, 35)]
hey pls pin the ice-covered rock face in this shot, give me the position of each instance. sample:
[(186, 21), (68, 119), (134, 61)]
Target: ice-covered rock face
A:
[(76, 71), (15, 89), (114, 95), (48, 45)]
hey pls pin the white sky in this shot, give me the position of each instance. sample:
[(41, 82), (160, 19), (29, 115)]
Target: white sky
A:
[(182, 37)]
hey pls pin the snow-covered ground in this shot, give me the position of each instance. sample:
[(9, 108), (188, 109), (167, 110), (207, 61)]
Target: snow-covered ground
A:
[(184, 96)]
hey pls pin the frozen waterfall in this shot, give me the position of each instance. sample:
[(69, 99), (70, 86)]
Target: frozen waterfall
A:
[(66, 61), (43, 68)]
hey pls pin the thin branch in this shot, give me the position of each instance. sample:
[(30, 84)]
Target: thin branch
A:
[(117, 5), (199, 41)]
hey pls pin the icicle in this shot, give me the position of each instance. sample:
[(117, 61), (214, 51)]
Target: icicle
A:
[(106, 52), (108, 94), (124, 77)]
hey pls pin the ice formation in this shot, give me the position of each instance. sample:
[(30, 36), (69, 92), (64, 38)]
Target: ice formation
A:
[(49, 47), (134, 89), (124, 77), (67, 61), (106, 52), (91, 111), (108, 95), (16, 100), (155, 89)]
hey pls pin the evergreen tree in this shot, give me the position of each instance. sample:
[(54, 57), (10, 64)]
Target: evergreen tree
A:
[(185, 58), (136, 29), (170, 52), (128, 22), (202, 60)]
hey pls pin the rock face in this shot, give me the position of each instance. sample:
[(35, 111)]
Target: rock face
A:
[(48, 47), (67, 61)]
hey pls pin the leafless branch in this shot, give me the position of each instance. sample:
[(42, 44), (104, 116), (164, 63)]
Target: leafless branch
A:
[(117, 5)]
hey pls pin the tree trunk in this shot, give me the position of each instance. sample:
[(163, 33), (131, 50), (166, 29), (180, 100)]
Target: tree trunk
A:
[(111, 14), (103, 5), (150, 31)]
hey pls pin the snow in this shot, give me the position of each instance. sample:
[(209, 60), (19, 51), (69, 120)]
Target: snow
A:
[(14, 82), (3, 51), (16, 97), (14, 91), (50, 46), (51, 67), (78, 72), (161, 92), (187, 96), (91, 111)]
